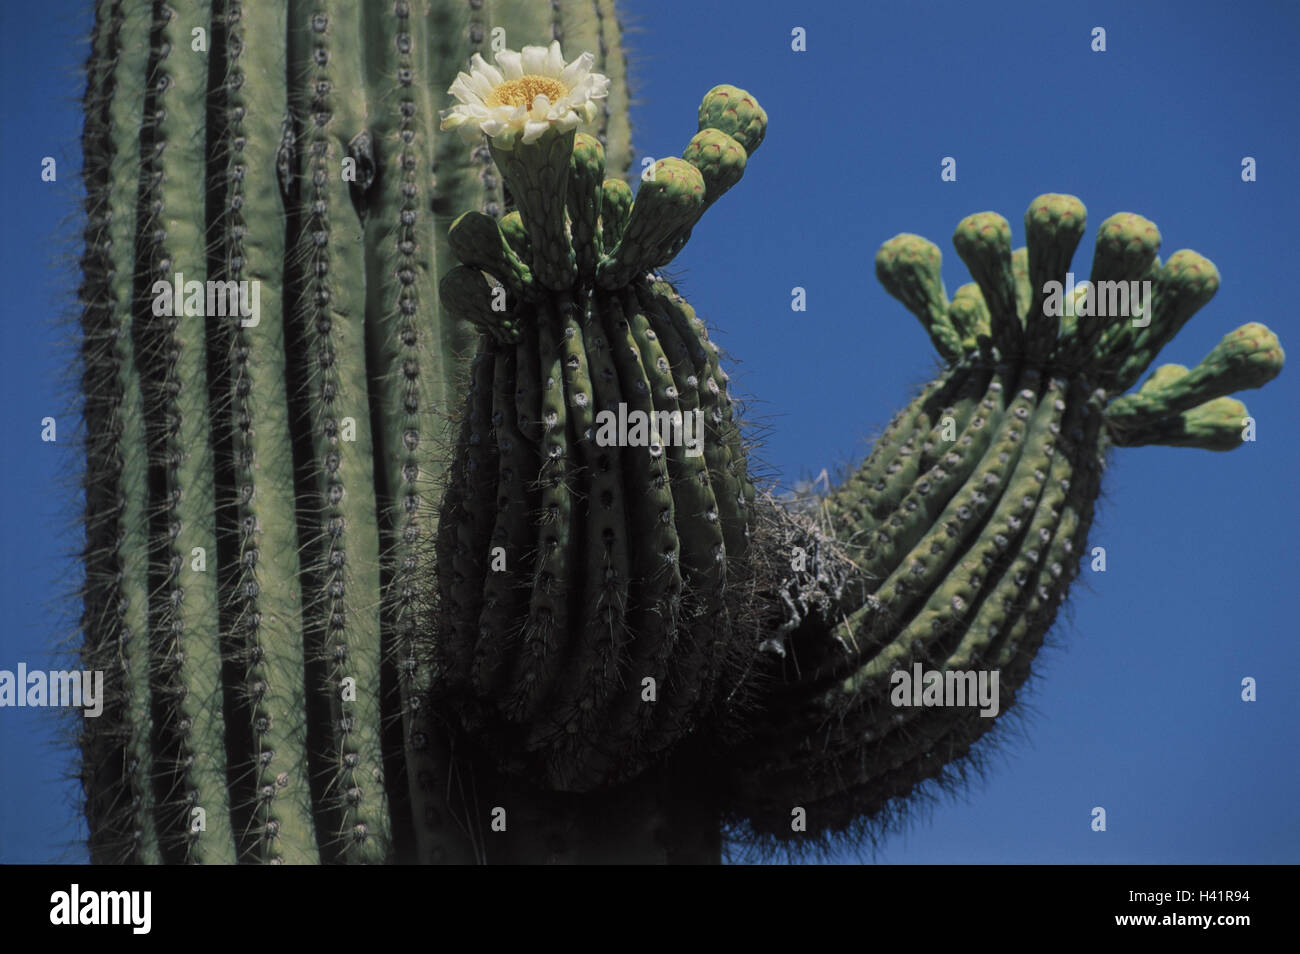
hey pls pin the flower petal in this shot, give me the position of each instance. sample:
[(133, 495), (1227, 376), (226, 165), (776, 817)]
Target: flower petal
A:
[(467, 90), (577, 71), (480, 65), (482, 86), (533, 130), (554, 59), (594, 86), (511, 64), (463, 89), (534, 59)]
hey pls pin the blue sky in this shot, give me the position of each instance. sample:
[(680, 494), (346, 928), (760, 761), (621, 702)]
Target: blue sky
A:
[(1138, 709)]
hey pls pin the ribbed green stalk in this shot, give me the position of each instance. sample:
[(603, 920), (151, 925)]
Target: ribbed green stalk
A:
[(507, 588), (119, 768), (656, 561), (185, 650), (704, 553), (470, 501), (280, 685), (341, 539), (724, 447), (264, 602), (406, 427), (858, 500)]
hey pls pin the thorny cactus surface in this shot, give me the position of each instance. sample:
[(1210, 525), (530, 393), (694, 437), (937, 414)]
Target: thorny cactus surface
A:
[(305, 584), (259, 489), (588, 574), (952, 547)]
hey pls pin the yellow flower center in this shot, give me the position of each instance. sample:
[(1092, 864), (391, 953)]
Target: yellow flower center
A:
[(523, 91)]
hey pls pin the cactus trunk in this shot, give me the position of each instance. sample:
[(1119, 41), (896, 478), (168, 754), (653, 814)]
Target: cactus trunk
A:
[(261, 488)]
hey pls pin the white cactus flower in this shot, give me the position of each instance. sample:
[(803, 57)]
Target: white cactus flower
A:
[(526, 94)]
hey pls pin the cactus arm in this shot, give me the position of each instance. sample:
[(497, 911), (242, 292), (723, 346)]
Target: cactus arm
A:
[(974, 591), (1249, 357), (1186, 282), (666, 207), (970, 316), (1215, 425), (616, 207), (908, 267), (957, 591), (1125, 250), (1053, 227), (990, 427), (917, 557)]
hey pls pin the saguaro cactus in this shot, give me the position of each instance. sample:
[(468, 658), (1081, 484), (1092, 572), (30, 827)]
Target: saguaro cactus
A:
[(326, 543)]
